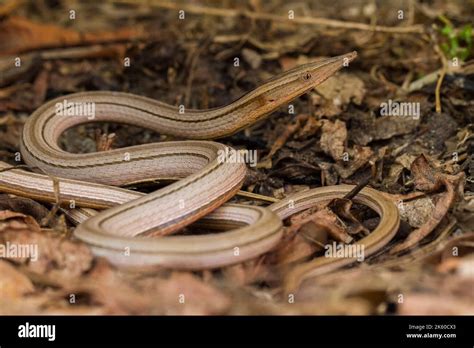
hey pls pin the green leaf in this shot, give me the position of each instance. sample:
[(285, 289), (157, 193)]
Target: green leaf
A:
[(458, 42), (447, 30), (466, 34), (454, 46), (463, 53), (445, 48)]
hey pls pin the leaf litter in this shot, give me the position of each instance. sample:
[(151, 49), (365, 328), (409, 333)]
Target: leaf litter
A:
[(337, 134)]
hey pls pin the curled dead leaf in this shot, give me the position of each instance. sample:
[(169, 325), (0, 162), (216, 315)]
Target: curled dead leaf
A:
[(342, 207), (324, 219), (429, 180), (17, 222)]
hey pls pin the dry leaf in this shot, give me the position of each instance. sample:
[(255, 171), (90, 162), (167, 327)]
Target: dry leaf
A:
[(250, 272), (342, 207), (253, 58), (417, 212), (326, 220), (13, 284), (434, 304), (104, 287), (338, 91), (17, 222), (333, 138), (23, 205), (429, 180), (195, 294), (309, 239), (359, 156), (43, 251)]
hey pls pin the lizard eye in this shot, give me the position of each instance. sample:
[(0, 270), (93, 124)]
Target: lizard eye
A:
[(306, 76)]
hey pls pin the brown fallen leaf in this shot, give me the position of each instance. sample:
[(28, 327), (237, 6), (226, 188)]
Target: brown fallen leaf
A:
[(116, 292), (249, 272), (463, 266), (106, 288), (17, 222), (368, 128), (41, 251), (400, 164), (338, 91), (13, 284), (185, 294), (454, 255), (311, 126), (329, 175), (333, 138), (348, 160), (23, 205), (308, 240), (386, 127), (359, 156), (417, 212), (434, 304), (342, 207), (326, 220), (10, 73), (280, 141), (343, 287), (429, 180), (459, 246)]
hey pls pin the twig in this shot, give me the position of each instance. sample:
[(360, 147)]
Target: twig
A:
[(257, 196), (104, 142), (352, 193), (438, 89), (443, 71), (318, 21), (423, 81), (57, 204)]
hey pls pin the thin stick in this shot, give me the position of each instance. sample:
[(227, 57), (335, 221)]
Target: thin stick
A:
[(443, 71), (57, 204), (318, 21), (438, 90), (352, 193), (257, 196)]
